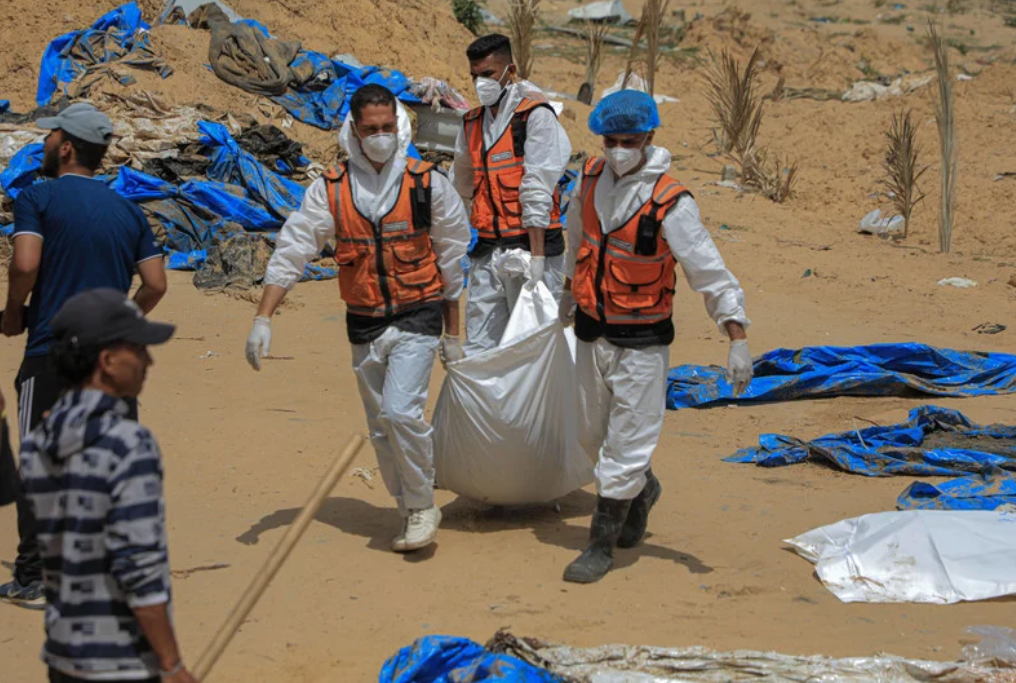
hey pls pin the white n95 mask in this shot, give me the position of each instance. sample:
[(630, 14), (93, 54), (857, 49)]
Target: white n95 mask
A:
[(379, 148), (623, 159), (488, 90)]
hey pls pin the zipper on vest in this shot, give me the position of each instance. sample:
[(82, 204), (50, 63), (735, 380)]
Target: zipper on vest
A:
[(600, 271), (382, 274)]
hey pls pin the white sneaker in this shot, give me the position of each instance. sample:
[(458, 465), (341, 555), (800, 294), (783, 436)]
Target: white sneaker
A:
[(399, 542), (421, 530)]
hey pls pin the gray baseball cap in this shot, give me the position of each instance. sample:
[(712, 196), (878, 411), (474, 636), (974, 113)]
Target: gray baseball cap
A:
[(82, 121)]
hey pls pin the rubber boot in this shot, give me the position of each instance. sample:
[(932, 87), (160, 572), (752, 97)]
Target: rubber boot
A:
[(598, 557), (638, 516)]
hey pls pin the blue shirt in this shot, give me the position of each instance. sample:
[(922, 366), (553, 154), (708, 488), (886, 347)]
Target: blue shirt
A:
[(92, 237)]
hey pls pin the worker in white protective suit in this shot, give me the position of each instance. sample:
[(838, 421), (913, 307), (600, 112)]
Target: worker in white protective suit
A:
[(509, 156), (401, 233), (628, 231)]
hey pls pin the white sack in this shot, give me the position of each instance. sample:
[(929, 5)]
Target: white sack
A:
[(505, 425), (930, 556)]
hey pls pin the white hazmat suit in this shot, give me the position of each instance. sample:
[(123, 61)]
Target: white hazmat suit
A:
[(622, 391), (392, 371), (491, 297)]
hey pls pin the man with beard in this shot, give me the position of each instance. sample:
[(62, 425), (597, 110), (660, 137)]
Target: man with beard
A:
[(70, 234)]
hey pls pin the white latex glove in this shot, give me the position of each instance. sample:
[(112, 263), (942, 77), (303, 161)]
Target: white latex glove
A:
[(566, 308), (451, 349), (259, 342), (536, 265), (740, 369)]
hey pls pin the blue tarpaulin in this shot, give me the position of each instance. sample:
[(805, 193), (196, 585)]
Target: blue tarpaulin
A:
[(934, 441), (323, 100), (445, 659), (232, 164), (987, 491), (22, 171), (123, 31), (827, 371)]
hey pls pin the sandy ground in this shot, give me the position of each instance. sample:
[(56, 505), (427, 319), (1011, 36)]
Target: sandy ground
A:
[(244, 450)]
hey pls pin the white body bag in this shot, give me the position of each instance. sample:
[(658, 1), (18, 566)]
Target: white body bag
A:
[(505, 425)]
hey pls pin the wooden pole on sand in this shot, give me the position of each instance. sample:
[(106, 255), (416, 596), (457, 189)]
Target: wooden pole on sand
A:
[(276, 559)]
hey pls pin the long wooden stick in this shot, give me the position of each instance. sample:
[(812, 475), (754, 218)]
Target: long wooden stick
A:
[(276, 559)]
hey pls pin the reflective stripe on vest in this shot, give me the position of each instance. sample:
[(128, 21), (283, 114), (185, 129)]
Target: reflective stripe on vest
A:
[(390, 266), (626, 277), (497, 174)]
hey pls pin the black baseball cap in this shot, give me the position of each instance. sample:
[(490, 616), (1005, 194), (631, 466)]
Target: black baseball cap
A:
[(98, 317)]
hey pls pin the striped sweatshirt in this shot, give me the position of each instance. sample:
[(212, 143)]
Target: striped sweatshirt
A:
[(94, 480)]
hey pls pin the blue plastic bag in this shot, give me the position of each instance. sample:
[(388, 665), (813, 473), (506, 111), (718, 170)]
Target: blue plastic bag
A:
[(446, 659), (23, 170)]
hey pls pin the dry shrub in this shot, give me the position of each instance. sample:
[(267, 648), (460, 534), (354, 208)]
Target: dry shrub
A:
[(595, 33), (522, 15), (944, 118), (652, 17), (633, 53), (738, 109), (901, 167)]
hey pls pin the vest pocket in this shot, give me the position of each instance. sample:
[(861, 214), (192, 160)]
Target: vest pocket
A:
[(509, 198), (418, 279), (636, 302), (631, 275), (412, 254)]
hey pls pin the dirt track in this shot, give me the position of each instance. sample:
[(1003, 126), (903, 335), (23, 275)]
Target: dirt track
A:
[(243, 450)]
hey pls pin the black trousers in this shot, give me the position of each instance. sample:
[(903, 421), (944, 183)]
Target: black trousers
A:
[(38, 388), (10, 484), (58, 677)]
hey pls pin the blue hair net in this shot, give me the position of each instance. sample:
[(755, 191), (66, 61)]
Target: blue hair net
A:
[(625, 112)]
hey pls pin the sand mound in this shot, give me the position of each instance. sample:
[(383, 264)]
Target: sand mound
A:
[(807, 57), (419, 37)]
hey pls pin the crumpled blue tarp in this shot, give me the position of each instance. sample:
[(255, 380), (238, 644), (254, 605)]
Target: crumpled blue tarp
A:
[(934, 441), (125, 28), (22, 170), (896, 449), (445, 659), (827, 371), (987, 491), (232, 164), (323, 100)]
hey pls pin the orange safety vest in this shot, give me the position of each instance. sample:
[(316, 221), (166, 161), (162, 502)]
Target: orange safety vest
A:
[(497, 175), (626, 277), (387, 267)]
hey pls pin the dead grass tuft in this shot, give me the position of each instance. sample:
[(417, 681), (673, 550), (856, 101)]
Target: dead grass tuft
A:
[(738, 110), (944, 118), (902, 168), (522, 16)]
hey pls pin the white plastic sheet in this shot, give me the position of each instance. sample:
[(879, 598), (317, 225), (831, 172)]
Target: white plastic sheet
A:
[(646, 664), (505, 422), (927, 556)]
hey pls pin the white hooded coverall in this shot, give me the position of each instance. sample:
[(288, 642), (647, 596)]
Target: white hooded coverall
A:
[(622, 391), (489, 301), (393, 371)]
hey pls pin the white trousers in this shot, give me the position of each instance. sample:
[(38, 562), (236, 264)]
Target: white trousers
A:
[(393, 374), (622, 400), (491, 297)]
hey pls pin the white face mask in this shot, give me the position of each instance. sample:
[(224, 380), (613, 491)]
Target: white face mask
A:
[(623, 159), (488, 90), (379, 148)]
